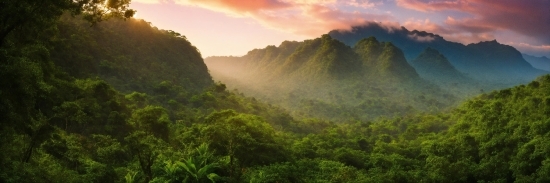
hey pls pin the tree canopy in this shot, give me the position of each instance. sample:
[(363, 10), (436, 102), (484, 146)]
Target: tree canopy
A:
[(71, 111)]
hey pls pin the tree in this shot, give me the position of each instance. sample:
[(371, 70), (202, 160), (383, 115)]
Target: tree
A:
[(146, 148), (27, 17), (246, 139), (153, 120)]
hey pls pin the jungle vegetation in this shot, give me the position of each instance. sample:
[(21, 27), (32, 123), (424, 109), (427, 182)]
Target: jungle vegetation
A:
[(86, 99)]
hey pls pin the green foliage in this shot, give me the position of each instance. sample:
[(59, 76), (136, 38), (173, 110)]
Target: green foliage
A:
[(198, 167), (306, 171), (384, 61), (435, 67), (124, 52), (153, 120), (130, 177), (66, 122), (323, 78), (22, 18)]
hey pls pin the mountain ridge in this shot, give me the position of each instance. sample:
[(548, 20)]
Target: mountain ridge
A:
[(480, 61), (434, 66), (542, 63), (131, 56), (325, 71)]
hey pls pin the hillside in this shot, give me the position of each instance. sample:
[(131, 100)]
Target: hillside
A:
[(320, 59), (324, 78), (64, 119), (489, 138), (431, 61), (132, 55), (434, 67), (542, 63), (384, 61), (487, 61)]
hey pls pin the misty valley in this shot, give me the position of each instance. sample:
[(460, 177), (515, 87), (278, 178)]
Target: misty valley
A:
[(97, 96)]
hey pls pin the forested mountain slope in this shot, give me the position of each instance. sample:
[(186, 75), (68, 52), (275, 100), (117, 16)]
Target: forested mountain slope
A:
[(433, 64), (61, 122), (542, 63), (130, 54), (501, 136), (435, 67), (384, 61), (324, 78), (484, 61)]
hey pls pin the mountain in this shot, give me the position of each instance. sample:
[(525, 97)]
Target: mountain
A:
[(61, 122), (384, 59), (327, 79), (499, 58), (313, 60), (486, 61), (59, 104), (131, 55), (542, 63), (434, 66), (320, 59), (431, 62), (411, 42)]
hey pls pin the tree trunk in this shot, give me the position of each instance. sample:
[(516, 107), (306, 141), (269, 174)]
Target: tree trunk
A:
[(28, 152)]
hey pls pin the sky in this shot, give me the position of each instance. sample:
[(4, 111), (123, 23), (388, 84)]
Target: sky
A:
[(234, 27)]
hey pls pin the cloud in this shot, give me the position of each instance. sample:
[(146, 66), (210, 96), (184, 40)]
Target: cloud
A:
[(304, 17), (470, 25), (532, 49), (426, 25), (148, 1), (420, 38), (450, 34), (239, 6), (330, 19), (363, 3), (529, 18), (424, 6), (467, 21)]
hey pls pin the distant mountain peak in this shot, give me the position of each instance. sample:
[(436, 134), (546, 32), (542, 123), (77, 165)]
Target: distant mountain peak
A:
[(434, 66), (286, 43), (319, 58), (430, 50), (487, 60), (371, 39), (326, 36), (393, 63), (368, 49), (431, 58), (383, 58), (542, 62)]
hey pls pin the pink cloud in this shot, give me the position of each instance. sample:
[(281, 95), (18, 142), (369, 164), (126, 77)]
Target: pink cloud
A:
[(529, 18), (420, 38), (243, 6), (532, 49), (423, 6), (451, 34), (427, 25), (470, 25), (305, 17), (362, 3)]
